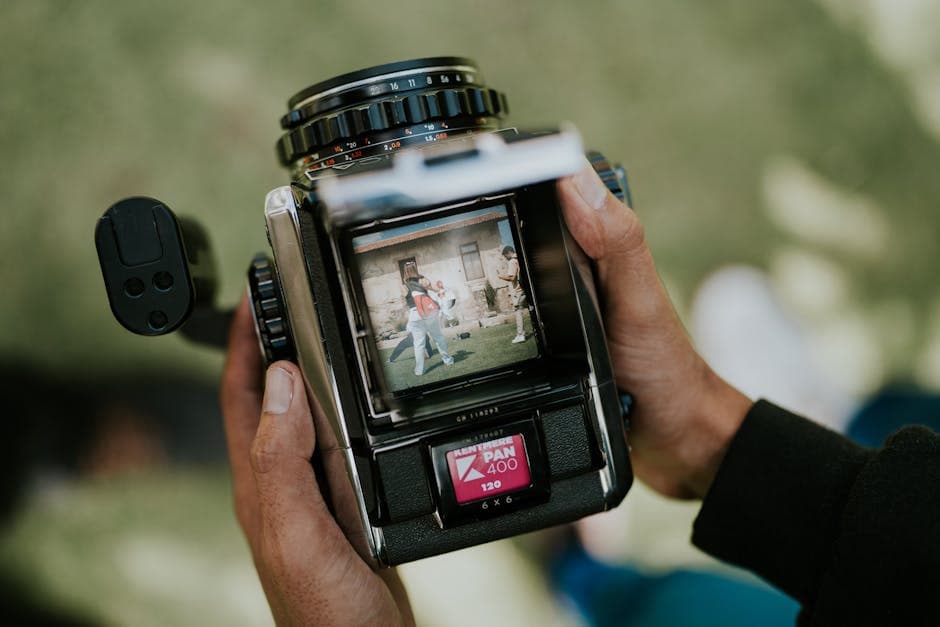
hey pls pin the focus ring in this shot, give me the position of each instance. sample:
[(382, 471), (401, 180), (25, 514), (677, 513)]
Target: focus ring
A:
[(386, 114), (375, 83)]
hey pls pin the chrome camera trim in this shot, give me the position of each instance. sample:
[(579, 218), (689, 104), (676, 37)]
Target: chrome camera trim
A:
[(280, 212)]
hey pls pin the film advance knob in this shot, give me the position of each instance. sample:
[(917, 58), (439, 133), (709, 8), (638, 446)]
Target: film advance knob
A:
[(267, 308)]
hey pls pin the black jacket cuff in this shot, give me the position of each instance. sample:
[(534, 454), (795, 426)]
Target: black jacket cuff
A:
[(776, 502)]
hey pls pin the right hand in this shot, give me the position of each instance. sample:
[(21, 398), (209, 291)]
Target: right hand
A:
[(684, 415)]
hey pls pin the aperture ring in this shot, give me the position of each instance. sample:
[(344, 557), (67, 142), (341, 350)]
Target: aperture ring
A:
[(389, 114)]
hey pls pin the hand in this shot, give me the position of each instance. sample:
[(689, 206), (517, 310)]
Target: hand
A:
[(684, 415), (310, 573)]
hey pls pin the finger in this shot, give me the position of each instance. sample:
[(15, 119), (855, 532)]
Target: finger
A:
[(241, 407), (296, 528), (610, 233), (310, 572)]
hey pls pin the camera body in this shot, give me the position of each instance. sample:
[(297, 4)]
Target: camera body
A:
[(444, 319)]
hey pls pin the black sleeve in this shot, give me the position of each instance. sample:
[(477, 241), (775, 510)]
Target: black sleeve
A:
[(852, 534)]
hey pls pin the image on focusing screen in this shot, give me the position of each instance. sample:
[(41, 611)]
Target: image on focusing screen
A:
[(445, 297)]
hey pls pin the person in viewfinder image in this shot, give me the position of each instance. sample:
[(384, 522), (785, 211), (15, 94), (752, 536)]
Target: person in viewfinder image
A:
[(516, 294), (409, 271), (461, 256), (447, 299), (424, 319)]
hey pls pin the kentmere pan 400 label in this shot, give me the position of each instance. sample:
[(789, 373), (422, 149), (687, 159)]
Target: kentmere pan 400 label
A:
[(488, 469)]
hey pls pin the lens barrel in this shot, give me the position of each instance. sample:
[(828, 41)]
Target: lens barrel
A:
[(383, 108)]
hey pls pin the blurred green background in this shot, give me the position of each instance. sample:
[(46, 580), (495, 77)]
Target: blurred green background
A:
[(801, 139)]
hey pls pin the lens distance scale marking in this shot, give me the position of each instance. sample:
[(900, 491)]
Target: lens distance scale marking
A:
[(386, 143)]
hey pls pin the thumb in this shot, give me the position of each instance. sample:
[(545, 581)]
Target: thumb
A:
[(610, 233), (296, 526)]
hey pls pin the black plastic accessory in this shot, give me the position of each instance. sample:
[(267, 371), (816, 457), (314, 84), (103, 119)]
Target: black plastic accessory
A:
[(158, 271)]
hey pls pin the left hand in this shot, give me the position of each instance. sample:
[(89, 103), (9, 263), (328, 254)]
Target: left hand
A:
[(310, 573)]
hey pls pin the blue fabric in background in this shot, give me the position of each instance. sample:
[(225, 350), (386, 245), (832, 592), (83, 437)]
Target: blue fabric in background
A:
[(892, 409), (620, 595)]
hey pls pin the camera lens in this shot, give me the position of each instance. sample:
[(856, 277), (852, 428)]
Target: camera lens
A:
[(384, 108), (133, 287)]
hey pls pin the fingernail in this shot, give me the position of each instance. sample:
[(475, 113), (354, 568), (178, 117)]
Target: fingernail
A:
[(278, 391), (590, 187)]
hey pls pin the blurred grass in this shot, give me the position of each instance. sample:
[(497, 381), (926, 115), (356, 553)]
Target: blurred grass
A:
[(147, 549)]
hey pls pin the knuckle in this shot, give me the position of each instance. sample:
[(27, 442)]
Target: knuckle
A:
[(630, 236), (264, 455), (270, 549), (281, 556), (278, 555)]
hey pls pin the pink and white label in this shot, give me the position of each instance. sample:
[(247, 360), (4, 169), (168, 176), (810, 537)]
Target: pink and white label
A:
[(489, 468)]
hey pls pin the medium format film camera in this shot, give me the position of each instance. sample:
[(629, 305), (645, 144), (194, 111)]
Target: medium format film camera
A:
[(424, 281)]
